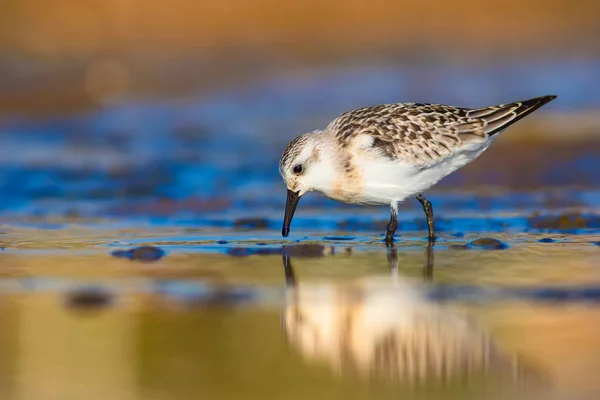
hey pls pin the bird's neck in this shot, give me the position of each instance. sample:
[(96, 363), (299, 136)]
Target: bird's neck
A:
[(331, 177)]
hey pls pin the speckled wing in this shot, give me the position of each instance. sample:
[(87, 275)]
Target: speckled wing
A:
[(425, 134)]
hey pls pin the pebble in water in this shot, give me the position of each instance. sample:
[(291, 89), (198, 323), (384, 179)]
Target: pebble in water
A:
[(143, 253), (88, 298), (481, 244), (546, 240), (488, 244)]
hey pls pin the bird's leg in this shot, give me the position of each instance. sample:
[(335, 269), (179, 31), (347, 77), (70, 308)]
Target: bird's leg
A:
[(429, 213), (392, 225)]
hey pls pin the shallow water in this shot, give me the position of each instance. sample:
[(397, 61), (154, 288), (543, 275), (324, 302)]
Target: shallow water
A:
[(335, 316)]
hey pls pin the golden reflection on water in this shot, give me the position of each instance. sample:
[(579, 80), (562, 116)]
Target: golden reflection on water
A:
[(351, 338), (387, 330)]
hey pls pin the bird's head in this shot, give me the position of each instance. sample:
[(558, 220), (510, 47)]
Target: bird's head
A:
[(305, 165)]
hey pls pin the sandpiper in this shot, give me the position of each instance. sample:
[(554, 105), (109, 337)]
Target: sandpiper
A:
[(384, 154)]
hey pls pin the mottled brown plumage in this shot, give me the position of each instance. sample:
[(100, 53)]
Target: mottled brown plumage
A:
[(425, 134)]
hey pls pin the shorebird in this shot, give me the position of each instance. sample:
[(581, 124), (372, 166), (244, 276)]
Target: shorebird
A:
[(386, 153)]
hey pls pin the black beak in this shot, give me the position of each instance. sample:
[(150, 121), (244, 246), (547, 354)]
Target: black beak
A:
[(290, 207)]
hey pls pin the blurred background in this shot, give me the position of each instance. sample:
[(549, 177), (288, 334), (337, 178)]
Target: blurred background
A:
[(116, 107), (127, 123)]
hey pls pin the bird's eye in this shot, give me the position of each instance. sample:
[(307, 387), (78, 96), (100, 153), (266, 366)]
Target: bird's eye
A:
[(298, 169)]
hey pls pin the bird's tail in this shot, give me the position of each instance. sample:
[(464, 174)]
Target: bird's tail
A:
[(502, 116)]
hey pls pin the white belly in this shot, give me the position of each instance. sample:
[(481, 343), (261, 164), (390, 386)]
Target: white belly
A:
[(385, 181)]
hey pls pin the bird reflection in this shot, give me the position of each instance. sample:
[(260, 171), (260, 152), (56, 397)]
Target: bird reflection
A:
[(392, 258), (387, 330)]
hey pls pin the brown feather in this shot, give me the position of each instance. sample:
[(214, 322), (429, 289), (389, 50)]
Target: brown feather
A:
[(425, 134)]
